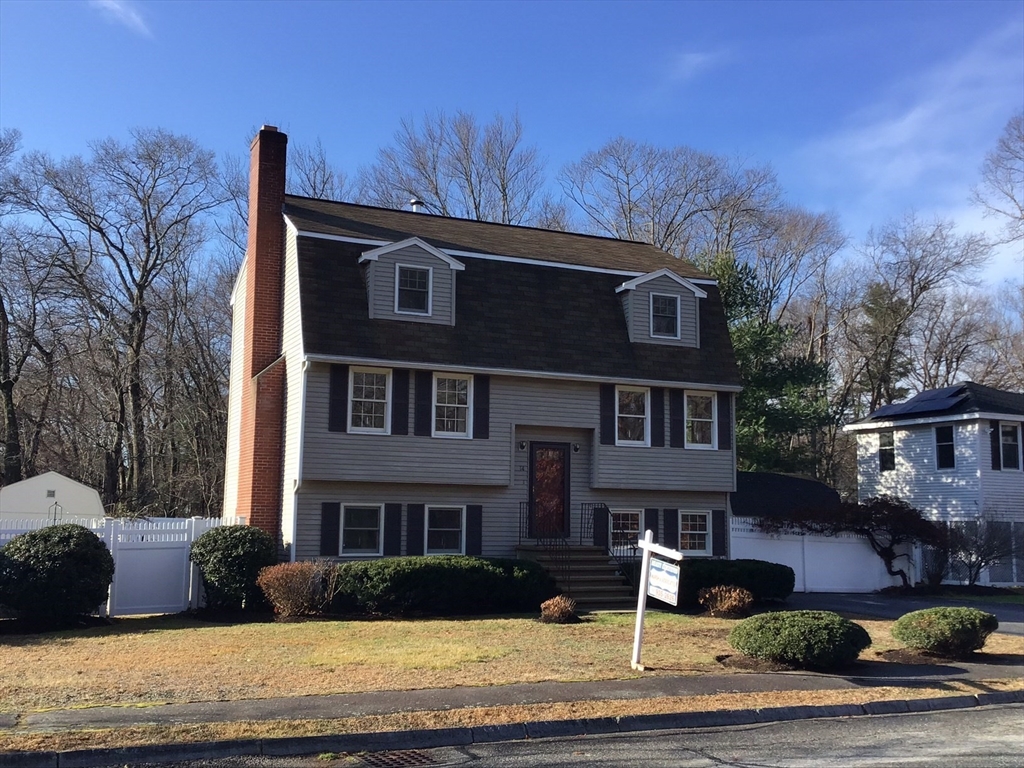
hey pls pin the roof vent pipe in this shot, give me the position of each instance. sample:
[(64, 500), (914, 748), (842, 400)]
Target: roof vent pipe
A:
[(417, 205)]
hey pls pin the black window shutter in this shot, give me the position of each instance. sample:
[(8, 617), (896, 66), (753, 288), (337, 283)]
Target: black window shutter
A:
[(414, 529), (601, 526), (658, 417), (672, 528), (677, 418), (400, 401), (724, 421), (481, 407), (424, 406), (994, 440), (392, 530), (330, 528), (651, 523), (718, 533), (607, 414), (474, 529), (337, 406)]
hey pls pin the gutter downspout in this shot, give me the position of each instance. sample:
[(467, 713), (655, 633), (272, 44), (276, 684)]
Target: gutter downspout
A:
[(297, 486)]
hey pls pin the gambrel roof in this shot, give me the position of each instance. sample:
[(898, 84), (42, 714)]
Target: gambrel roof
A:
[(547, 305)]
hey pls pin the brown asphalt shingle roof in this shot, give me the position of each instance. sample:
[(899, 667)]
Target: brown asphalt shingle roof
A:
[(361, 221)]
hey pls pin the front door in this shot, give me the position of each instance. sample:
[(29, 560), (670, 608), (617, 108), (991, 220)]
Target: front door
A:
[(549, 489)]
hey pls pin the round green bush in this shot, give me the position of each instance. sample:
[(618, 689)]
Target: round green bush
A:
[(230, 558), (952, 632), (52, 575), (805, 639)]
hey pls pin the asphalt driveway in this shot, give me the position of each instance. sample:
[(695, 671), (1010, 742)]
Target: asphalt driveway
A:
[(1011, 617)]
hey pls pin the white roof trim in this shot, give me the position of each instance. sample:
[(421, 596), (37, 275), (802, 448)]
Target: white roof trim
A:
[(413, 241), (491, 256), (897, 423), (629, 285), (314, 358)]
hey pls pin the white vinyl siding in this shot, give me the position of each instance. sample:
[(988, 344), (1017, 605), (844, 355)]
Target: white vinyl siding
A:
[(236, 383), (291, 345)]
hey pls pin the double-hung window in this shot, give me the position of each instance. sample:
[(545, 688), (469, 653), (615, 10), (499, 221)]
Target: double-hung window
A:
[(453, 405), (369, 401), (695, 533), (445, 531), (664, 316), (412, 289), (632, 416), (701, 417), (1009, 440), (886, 452), (361, 530), (945, 455)]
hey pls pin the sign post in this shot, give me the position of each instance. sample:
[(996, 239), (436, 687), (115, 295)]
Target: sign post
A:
[(657, 578)]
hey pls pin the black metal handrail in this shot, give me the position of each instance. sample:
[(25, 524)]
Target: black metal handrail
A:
[(626, 556), (554, 543)]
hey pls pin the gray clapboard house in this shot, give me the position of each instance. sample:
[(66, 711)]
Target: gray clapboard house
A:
[(407, 384)]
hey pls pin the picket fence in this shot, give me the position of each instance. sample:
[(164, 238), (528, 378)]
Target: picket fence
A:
[(152, 571)]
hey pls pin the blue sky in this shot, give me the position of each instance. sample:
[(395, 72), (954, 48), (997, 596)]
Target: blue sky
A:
[(865, 108)]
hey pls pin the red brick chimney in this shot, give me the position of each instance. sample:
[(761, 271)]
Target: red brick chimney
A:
[(261, 436)]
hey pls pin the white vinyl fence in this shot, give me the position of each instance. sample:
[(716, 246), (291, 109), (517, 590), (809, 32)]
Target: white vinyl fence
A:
[(844, 563), (152, 572)]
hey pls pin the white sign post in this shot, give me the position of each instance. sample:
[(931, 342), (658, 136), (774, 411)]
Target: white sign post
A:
[(662, 585)]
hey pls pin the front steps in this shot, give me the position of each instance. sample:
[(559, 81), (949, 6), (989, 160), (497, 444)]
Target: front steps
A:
[(593, 582)]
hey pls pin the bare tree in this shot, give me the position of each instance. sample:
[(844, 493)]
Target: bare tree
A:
[(1002, 180), (124, 219), (458, 168), (310, 174), (979, 544)]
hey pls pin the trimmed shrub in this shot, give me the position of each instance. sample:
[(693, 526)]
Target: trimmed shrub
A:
[(805, 639), (442, 585), (950, 632), (727, 601), (55, 574), (230, 558), (560, 609), (298, 589)]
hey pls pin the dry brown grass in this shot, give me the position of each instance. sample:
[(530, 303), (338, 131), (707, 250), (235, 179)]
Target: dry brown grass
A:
[(143, 735), (180, 660)]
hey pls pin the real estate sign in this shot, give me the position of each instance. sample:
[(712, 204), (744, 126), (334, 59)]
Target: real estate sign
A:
[(663, 581)]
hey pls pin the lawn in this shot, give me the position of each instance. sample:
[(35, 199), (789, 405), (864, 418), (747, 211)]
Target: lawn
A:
[(178, 659)]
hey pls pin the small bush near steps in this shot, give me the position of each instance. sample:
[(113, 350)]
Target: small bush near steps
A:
[(804, 639), (299, 589), (951, 632), (560, 609), (726, 602)]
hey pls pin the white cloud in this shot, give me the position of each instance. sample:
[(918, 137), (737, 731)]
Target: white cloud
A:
[(686, 66), (123, 12)]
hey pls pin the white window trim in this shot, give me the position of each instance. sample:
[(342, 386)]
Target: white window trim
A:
[(935, 445), (468, 435), (650, 307), (426, 530), (430, 289), (646, 442), (708, 541), (625, 511), (380, 531), (714, 420), (1020, 448), (387, 400), (880, 449)]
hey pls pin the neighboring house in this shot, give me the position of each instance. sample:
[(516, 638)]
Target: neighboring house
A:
[(954, 453), (404, 384), (49, 496)]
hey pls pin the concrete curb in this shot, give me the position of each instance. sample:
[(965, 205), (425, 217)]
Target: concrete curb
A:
[(460, 737)]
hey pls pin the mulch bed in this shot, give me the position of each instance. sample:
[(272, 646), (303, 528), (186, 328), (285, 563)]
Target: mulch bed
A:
[(749, 664)]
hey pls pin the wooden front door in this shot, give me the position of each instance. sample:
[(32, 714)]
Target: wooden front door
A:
[(549, 489)]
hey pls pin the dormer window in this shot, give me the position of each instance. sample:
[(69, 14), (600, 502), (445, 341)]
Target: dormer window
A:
[(412, 289), (664, 316)]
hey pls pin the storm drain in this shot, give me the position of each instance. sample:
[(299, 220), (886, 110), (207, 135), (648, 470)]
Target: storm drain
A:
[(404, 758)]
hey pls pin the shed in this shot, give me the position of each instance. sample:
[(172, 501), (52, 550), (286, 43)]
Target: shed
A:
[(49, 496)]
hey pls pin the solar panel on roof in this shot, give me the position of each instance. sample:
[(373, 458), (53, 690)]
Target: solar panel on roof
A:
[(938, 394), (918, 406)]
